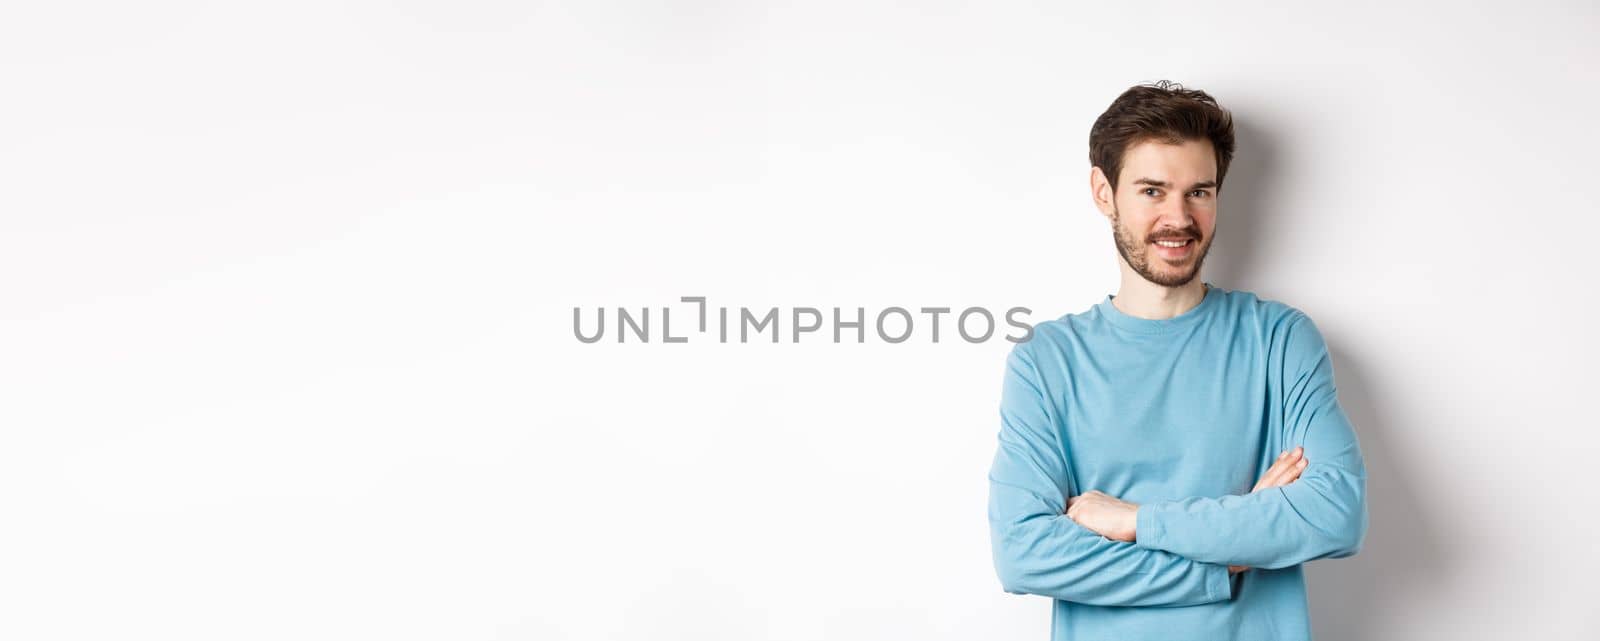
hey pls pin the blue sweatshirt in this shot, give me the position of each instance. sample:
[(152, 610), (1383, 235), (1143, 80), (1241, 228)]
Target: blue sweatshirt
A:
[(1181, 416)]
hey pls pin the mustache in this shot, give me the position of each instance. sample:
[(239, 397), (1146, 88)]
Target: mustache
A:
[(1174, 235)]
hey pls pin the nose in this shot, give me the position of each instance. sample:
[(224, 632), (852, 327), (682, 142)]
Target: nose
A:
[(1176, 212)]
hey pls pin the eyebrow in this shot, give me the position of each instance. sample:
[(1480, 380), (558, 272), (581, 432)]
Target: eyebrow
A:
[(1164, 184)]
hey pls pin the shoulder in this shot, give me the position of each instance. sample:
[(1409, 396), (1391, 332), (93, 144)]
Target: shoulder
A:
[(1048, 351), (1288, 331), (1052, 341), (1275, 320), (1248, 306)]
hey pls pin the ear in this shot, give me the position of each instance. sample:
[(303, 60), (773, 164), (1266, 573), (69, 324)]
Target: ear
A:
[(1100, 190)]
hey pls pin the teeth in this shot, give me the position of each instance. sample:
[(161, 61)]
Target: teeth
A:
[(1172, 243)]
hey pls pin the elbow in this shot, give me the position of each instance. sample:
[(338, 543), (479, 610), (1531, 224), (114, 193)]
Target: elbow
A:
[(1345, 533), (1347, 546), (1355, 538), (1009, 584), (1352, 534), (1010, 564), (1023, 569), (1012, 579)]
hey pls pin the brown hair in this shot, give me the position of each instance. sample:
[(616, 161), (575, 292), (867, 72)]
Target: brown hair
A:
[(1162, 111)]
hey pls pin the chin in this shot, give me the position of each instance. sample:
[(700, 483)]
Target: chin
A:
[(1177, 278)]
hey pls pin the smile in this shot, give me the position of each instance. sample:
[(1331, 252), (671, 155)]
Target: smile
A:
[(1174, 249)]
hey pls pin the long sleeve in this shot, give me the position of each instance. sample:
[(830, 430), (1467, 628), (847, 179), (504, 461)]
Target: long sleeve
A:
[(1323, 514), (1037, 550)]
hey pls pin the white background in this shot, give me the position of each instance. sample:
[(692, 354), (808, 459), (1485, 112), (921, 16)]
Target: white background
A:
[(288, 293)]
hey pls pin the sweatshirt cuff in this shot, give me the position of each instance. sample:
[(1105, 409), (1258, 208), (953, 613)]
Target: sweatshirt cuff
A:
[(1147, 530), (1220, 582)]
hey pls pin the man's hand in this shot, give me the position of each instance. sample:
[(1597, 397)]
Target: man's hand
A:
[(1283, 472), (1104, 514)]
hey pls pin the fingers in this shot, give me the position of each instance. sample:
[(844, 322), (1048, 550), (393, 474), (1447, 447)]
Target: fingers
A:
[(1292, 464), (1284, 470), (1073, 502), (1291, 468), (1272, 471)]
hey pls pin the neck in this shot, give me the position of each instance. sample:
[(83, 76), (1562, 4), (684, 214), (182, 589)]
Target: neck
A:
[(1141, 298)]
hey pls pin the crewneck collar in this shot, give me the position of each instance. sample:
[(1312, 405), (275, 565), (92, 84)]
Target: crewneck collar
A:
[(1187, 319)]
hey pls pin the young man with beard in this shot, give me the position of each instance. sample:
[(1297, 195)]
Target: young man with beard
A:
[(1171, 456)]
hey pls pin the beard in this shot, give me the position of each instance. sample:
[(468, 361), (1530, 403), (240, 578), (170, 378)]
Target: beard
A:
[(1137, 252)]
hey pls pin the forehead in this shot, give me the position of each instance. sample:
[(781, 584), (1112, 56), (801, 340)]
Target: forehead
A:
[(1188, 162)]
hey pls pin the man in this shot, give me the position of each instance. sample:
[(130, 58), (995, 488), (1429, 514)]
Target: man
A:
[(1170, 457)]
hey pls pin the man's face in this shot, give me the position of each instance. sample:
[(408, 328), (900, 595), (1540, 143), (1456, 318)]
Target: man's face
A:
[(1164, 193)]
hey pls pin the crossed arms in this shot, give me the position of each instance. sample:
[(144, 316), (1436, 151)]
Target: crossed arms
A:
[(1098, 550)]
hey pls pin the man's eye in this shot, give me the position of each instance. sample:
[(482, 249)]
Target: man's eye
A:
[(1201, 193), (1147, 191)]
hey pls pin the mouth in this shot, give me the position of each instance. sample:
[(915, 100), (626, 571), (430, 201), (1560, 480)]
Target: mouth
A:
[(1173, 249)]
